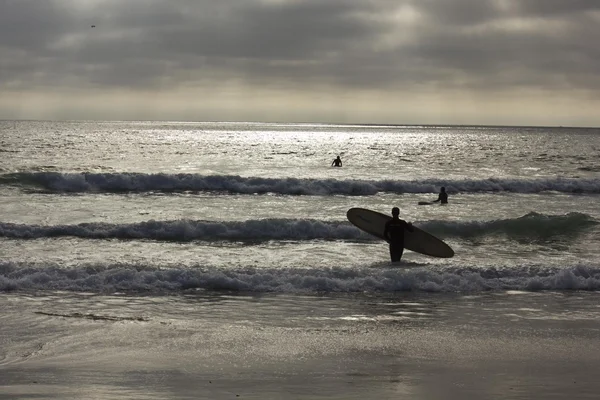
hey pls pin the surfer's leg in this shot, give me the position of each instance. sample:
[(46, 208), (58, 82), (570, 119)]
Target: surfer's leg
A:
[(396, 252)]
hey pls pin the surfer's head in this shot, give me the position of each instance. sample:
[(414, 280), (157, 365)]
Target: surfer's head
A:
[(443, 189), (395, 211)]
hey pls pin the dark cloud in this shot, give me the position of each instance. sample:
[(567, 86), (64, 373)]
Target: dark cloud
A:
[(135, 40), (458, 12), (545, 8), (31, 25), (378, 45)]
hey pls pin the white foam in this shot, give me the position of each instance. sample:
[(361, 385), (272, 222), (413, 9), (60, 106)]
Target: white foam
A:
[(532, 225), (188, 230), (153, 279), (138, 182)]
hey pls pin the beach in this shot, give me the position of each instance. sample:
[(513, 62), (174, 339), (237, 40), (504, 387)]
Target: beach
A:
[(511, 345)]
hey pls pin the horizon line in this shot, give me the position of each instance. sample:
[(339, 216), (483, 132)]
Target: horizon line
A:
[(371, 124)]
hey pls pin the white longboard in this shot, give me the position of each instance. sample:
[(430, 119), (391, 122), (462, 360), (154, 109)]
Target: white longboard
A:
[(373, 222)]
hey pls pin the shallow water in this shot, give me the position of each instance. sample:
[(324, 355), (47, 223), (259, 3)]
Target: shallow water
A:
[(512, 345)]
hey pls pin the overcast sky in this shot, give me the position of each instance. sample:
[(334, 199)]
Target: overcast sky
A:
[(532, 62)]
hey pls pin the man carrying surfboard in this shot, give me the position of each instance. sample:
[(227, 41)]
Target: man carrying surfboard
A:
[(416, 239), (394, 234)]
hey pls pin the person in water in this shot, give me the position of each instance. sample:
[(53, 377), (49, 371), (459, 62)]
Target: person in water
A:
[(394, 234), (443, 196), (337, 162)]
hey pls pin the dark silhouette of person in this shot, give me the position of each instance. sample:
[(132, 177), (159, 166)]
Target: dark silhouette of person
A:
[(337, 162), (394, 234), (443, 196)]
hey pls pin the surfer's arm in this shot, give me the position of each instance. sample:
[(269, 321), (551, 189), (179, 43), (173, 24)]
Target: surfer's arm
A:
[(386, 231)]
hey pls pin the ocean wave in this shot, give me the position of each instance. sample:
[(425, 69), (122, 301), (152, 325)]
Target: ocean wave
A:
[(383, 278), (533, 226), (169, 183), (190, 230)]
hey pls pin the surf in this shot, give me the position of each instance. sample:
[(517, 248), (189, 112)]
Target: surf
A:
[(125, 182), (532, 225), (381, 278)]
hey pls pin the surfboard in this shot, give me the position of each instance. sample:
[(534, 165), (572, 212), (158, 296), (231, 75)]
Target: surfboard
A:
[(424, 203), (419, 241)]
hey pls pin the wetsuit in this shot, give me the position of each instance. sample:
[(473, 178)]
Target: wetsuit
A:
[(442, 198), (337, 162), (394, 234)]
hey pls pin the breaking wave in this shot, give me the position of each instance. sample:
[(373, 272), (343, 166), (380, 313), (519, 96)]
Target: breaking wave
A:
[(189, 230), (532, 226), (152, 279), (138, 182)]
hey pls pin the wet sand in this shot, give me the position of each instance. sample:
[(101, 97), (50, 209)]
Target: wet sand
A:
[(509, 345)]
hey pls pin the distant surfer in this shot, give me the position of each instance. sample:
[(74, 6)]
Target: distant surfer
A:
[(394, 234), (442, 197), (337, 162)]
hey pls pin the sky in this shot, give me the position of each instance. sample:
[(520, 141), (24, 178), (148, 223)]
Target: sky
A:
[(494, 62)]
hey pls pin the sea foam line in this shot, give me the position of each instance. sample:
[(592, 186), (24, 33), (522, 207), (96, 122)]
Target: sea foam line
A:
[(152, 279), (190, 230), (531, 226), (138, 182)]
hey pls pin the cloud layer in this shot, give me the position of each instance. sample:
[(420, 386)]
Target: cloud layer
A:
[(415, 61)]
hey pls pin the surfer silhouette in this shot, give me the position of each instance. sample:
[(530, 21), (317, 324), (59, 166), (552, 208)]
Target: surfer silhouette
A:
[(394, 234), (337, 162), (443, 196)]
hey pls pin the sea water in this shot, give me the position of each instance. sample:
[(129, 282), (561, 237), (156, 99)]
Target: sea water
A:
[(188, 253)]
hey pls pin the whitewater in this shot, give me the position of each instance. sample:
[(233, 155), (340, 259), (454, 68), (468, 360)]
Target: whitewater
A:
[(133, 253)]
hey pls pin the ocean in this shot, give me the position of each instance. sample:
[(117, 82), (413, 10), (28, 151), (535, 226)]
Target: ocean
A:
[(213, 260)]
